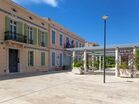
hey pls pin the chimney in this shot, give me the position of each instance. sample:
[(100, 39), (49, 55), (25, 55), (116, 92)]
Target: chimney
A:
[(49, 19)]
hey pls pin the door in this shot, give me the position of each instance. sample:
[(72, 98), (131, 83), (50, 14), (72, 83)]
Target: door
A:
[(67, 60), (13, 60)]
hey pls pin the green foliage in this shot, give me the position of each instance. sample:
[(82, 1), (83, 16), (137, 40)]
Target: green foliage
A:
[(78, 63), (90, 63), (110, 62), (96, 64), (137, 59), (123, 66)]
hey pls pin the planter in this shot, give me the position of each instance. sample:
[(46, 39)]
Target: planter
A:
[(78, 70), (127, 73)]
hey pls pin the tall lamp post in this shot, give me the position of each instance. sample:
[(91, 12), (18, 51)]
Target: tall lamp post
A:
[(105, 19)]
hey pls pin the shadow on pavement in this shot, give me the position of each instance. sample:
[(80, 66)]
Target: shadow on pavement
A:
[(121, 82), (96, 72), (23, 75)]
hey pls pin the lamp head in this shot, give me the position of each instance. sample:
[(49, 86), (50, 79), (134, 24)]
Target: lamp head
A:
[(105, 17)]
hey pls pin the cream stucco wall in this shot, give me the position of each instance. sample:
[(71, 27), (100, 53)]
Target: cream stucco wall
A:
[(23, 48)]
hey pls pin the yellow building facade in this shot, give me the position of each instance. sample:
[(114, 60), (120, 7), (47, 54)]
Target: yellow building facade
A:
[(29, 43)]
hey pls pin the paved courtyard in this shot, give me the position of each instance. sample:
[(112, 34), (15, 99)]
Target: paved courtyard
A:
[(67, 88)]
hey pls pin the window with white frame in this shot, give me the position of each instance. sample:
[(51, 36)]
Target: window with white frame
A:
[(13, 29), (30, 35), (42, 39), (13, 26)]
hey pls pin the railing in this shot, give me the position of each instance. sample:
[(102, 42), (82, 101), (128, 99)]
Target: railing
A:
[(42, 44), (15, 37), (30, 41), (68, 45)]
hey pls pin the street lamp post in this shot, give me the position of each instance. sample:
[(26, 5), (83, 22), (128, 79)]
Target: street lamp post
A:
[(105, 19)]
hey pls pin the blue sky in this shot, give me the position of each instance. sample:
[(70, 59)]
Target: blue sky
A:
[(84, 17)]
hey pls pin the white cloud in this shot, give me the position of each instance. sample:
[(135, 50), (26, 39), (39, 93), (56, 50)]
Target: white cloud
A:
[(53, 3)]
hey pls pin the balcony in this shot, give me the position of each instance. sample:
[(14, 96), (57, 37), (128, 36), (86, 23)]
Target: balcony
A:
[(30, 41), (15, 37), (68, 45), (42, 44)]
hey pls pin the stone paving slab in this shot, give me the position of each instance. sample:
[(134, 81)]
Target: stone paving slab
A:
[(68, 88)]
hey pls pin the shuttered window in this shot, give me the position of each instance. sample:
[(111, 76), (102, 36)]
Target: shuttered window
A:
[(30, 35), (35, 38), (42, 38), (42, 58), (13, 26), (7, 23), (20, 28)]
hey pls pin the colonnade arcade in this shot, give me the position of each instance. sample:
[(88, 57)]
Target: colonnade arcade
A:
[(121, 53)]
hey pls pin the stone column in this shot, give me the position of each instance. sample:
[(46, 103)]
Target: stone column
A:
[(100, 68), (134, 53), (96, 60), (73, 57), (116, 62), (120, 60), (85, 61), (93, 61)]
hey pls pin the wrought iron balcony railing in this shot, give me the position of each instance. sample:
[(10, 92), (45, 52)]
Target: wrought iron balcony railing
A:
[(30, 41), (68, 45), (15, 37), (42, 44)]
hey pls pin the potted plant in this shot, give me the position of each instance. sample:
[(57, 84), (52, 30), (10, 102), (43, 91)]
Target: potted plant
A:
[(125, 71), (78, 67)]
